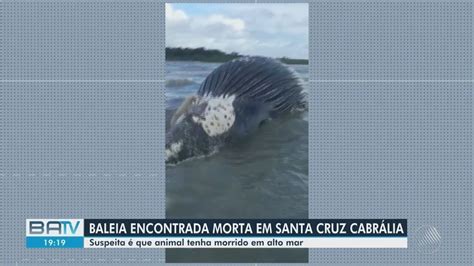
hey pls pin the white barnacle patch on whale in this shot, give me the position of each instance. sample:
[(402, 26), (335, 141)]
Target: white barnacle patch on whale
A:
[(218, 117), (174, 149)]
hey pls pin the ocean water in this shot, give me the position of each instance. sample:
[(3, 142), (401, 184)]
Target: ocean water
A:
[(264, 176)]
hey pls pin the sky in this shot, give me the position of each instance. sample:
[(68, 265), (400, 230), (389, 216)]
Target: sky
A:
[(274, 30)]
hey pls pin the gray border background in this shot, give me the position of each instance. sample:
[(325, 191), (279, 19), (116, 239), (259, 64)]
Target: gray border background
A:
[(390, 121), (82, 120)]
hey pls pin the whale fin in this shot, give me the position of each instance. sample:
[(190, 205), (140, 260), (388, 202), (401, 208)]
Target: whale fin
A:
[(183, 108), (258, 79)]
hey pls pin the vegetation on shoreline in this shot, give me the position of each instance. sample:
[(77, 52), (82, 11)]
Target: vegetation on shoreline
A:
[(214, 56)]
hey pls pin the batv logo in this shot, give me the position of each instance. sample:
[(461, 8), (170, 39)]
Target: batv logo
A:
[(56, 227)]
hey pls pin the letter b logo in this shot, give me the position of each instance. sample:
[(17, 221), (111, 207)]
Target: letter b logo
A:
[(36, 227)]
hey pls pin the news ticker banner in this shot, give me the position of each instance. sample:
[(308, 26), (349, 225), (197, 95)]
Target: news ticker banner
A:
[(216, 233)]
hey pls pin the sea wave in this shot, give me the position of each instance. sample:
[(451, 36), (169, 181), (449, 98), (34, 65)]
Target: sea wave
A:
[(178, 82)]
